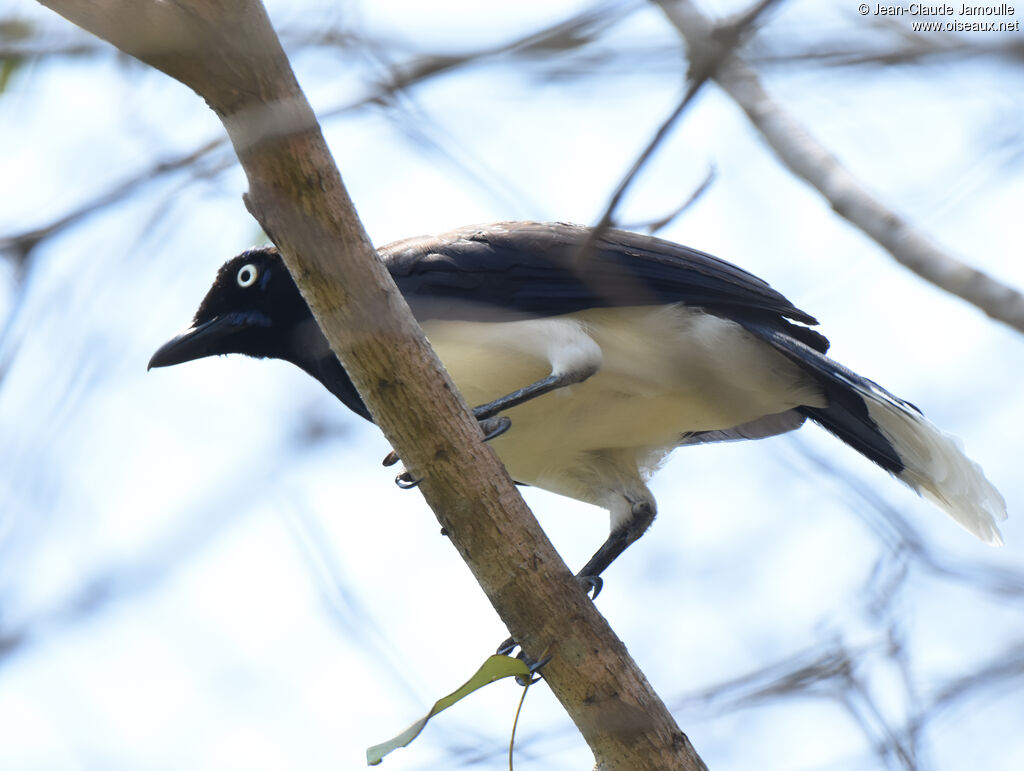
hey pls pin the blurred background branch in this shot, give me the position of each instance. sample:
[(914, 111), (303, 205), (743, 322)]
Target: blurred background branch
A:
[(808, 159)]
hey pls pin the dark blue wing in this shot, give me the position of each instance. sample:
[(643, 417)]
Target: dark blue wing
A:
[(526, 269)]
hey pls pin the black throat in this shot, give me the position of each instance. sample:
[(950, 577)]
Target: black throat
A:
[(309, 350)]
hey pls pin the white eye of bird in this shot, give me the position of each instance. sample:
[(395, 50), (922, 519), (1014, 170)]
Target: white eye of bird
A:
[(247, 275)]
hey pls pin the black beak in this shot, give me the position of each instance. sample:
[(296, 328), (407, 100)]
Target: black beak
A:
[(207, 339)]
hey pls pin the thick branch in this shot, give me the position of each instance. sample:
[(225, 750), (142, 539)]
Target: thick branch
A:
[(807, 158), (229, 54)]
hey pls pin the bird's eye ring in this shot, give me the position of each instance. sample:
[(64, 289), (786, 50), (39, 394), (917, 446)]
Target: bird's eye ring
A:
[(247, 275)]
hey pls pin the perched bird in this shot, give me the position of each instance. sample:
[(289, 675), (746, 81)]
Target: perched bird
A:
[(604, 359)]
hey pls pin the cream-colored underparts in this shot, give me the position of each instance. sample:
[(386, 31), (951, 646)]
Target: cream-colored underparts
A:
[(662, 372)]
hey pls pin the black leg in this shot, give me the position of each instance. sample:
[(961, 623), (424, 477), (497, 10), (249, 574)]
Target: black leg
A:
[(546, 385), (641, 517), (485, 413)]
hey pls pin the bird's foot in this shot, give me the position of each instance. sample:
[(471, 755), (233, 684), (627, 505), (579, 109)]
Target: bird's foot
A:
[(591, 586), (534, 667), (406, 481), (492, 427), (506, 648)]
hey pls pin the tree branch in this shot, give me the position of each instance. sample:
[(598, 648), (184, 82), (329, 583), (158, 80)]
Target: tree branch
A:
[(714, 49), (808, 159), (229, 54)]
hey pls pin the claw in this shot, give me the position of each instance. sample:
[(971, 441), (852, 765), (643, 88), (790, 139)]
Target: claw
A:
[(494, 427), (534, 667), (591, 584), (405, 481), (391, 459), (506, 648)]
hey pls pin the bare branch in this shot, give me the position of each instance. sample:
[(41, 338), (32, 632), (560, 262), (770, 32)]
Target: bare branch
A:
[(575, 32), (653, 226), (20, 245), (808, 159), (715, 47)]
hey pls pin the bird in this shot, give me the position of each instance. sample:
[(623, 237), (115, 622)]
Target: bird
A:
[(602, 352)]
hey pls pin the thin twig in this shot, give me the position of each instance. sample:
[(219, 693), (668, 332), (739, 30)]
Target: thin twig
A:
[(808, 159), (716, 47), (653, 226)]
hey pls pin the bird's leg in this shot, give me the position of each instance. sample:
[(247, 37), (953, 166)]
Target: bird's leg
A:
[(493, 426), (552, 382), (641, 516)]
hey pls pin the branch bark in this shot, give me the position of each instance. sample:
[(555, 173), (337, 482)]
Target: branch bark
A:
[(230, 55), (808, 159)]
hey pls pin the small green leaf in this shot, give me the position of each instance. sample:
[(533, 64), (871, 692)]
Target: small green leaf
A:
[(495, 668)]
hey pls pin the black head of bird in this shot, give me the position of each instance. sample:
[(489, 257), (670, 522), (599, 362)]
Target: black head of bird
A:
[(254, 308)]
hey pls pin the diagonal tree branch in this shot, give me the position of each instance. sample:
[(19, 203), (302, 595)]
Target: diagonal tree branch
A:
[(230, 55), (808, 159)]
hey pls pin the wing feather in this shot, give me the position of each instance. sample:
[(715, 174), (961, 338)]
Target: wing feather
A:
[(529, 269)]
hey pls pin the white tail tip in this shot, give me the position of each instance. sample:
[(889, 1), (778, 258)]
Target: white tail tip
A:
[(936, 467)]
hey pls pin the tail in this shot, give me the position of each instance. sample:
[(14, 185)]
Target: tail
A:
[(935, 466), (894, 434)]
